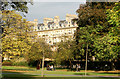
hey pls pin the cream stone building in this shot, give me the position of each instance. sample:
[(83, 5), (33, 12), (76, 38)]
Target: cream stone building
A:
[(56, 30)]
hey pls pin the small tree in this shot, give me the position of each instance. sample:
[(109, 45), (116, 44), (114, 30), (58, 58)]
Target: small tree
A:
[(65, 52), (39, 51)]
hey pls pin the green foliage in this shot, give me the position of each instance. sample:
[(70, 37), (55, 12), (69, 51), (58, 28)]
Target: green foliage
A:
[(19, 6), (86, 36), (65, 51), (19, 61), (108, 47), (99, 29), (16, 38), (37, 50), (93, 13)]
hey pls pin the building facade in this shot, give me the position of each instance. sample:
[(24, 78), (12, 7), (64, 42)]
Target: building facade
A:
[(56, 30)]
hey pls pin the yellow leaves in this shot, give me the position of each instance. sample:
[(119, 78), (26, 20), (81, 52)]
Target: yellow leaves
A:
[(16, 40)]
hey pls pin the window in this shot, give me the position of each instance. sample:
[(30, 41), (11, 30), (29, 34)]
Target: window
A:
[(48, 26), (38, 28), (60, 25), (43, 36)]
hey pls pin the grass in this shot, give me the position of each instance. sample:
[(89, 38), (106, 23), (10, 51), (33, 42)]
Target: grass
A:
[(18, 68), (18, 71)]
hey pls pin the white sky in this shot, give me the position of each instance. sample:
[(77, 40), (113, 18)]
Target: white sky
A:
[(40, 10), (59, 0)]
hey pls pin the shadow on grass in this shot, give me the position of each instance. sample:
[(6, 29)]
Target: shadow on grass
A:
[(116, 73), (17, 75), (60, 78), (22, 69), (108, 73), (20, 75)]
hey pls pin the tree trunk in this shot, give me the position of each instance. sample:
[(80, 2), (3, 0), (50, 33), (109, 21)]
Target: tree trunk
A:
[(70, 65), (43, 67), (38, 64), (86, 60)]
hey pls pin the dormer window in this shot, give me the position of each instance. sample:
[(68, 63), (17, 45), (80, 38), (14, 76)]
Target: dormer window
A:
[(60, 25), (38, 28), (72, 22), (48, 26)]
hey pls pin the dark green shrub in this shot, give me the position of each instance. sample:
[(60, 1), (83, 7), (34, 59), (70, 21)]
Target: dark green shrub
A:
[(20, 64)]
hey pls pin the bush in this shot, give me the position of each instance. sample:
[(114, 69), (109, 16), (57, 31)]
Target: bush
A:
[(19, 62), (32, 63), (6, 63)]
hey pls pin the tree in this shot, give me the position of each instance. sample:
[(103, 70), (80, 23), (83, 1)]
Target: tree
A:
[(38, 48), (8, 4), (39, 51), (16, 38), (65, 52), (93, 25), (18, 6), (108, 47), (11, 4), (91, 15)]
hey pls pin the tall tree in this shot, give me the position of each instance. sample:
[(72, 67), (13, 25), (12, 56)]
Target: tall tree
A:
[(93, 25), (92, 22), (108, 47), (11, 4), (16, 38)]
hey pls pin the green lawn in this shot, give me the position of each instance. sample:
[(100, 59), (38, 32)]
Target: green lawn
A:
[(15, 71), (18, 68)]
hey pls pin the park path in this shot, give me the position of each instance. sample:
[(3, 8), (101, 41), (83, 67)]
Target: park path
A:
[(61, 75)]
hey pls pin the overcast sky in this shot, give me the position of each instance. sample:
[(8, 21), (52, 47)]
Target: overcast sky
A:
[(40, 10)]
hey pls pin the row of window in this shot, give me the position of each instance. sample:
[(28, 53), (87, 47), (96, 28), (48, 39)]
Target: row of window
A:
[(58, 32), (52, 27)]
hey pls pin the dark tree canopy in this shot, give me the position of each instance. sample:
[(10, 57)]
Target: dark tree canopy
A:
[(93, 24), (21, 5)]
